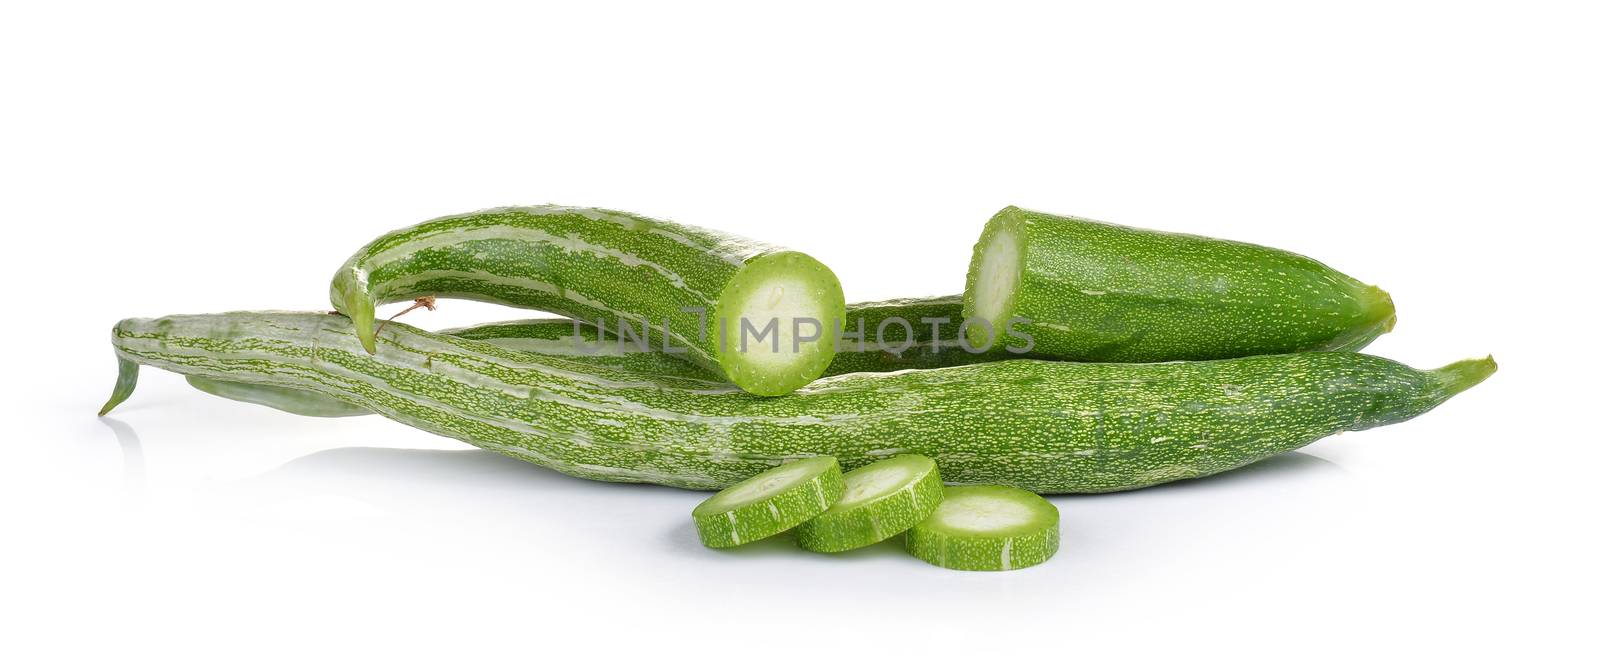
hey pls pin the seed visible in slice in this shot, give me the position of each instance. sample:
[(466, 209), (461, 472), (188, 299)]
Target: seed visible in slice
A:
[(987, 528), (769, 503), (880, 500)]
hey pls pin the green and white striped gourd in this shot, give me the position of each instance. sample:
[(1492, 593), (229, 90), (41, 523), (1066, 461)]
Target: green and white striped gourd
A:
[(1097, 292), (1050, 427), (739, 308)]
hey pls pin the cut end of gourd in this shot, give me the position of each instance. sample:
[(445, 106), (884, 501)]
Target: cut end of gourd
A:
[(777, 322), (1459, 377), (992, 278), (765, 485), (992, 511)]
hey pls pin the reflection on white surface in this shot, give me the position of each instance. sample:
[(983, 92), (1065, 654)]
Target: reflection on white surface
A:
[(448, 486), (132, 452), (467, 478)]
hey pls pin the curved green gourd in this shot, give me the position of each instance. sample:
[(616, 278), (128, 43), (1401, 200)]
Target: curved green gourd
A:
[(1098, 292), (1051, 427), (739, 308)]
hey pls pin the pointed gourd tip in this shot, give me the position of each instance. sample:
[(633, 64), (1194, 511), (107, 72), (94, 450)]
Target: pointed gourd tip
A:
[(1381, 306), (350, 298), (127, 380), (1461, 376), (361, 318)]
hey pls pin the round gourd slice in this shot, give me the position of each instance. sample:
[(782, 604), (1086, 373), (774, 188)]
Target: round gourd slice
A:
[(769, 503), (880, 500), (987, 528)]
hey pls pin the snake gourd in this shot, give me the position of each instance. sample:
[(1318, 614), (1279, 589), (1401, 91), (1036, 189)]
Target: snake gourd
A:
[(1048, 427), (761, 317)]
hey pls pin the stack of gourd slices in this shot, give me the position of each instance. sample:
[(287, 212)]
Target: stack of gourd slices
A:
[(980, 528)]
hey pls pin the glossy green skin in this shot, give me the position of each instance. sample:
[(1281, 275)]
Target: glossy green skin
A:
[(930, 350), (1051, 427), (597, 266), (846, 527), (1098, 292), (771, 515), (1005, 550)]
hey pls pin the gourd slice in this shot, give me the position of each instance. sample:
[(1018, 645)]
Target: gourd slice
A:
[(769, 503), (880, 500), (987, 528)]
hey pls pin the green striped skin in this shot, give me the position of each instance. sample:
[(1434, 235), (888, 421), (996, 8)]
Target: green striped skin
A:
[(1097, 292), (554, 337), (769, 503), (987, 528), (1050, 427), (287, 399), (880, 500), (610, 267)]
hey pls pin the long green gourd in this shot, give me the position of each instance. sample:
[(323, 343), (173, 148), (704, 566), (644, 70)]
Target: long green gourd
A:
[(761, 316), (929, 346), (1050, 427), (1098, 292)]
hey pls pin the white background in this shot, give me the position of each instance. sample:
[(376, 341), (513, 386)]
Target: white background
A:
[(162, 158)]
